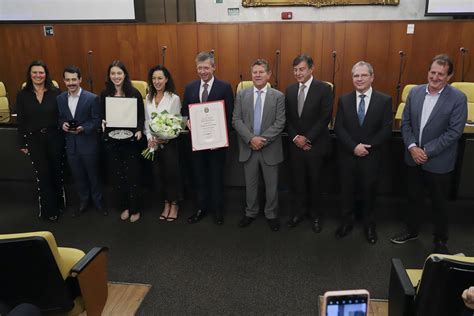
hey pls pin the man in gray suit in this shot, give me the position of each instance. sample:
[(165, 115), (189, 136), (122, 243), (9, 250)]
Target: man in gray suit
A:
[(259, 119), (432, 123)]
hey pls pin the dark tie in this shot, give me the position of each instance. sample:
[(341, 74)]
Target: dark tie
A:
[(257, 114), (361, 110), (301, 100), (205, 93)]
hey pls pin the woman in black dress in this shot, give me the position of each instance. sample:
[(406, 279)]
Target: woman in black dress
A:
[(124, 152), (40, 138)]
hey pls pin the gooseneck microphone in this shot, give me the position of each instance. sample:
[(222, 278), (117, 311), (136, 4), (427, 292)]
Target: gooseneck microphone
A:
[(89, 70), (163, 55), (464, 52), (400, 73), (277, 67), (334, 59)]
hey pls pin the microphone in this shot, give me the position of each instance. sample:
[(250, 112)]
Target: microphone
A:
[(163, 48), (90, 52), (90, 81), (463, 50), (163, 54), (241, 82), (278, 52), (401, 53), (334, 53)]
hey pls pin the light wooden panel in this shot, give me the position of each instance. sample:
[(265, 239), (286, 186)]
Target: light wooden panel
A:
[(237, 45)]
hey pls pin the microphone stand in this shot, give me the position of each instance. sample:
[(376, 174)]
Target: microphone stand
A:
[(400, 73), (277, 68), (334, 57), (463, 59), (163, 55), (89, 70)]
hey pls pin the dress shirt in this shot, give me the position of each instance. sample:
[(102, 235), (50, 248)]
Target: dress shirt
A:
[(72, 101), (262, 96), (209, 87), (169, 103), (307, 84), (428, 105), (368, 95)]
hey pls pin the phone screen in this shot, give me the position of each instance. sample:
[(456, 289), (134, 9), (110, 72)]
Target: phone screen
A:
[(346, 305)]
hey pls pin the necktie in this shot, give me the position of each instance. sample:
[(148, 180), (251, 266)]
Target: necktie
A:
[(257, 114), (361, 110), (205, 93), (301, 100)]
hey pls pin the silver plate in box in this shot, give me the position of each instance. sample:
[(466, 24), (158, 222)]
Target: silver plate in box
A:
[(120, 134)]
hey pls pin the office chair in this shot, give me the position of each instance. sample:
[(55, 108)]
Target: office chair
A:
[(141, 86), (401, 106), (468, 89), (4, 105), (55, 279), (434, 290)]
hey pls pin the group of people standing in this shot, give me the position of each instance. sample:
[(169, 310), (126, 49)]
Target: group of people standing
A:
[(432, 123)]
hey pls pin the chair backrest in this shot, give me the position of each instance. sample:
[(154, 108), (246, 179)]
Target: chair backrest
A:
[(443, 280), (4, 105), (55, 83), (29, 272), (246, 84), (141, 86), (401, 106), (468, 89)]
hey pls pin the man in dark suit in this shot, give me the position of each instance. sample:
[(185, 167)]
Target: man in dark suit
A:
[(308, 112), (259, 119), (432, 123), (363, 126), (208, 165), (79, 117)]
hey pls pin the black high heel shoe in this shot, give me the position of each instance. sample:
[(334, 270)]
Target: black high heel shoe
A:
[(172, 219)]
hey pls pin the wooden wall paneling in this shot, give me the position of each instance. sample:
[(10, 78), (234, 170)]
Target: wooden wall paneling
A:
[(227, 53), (207, 37), (128, 49), (291, 47), (467, 41), (378, 48), (312, 45), (333, 40), (355, 49), (269, 43), (249, 48), (187, 35), (399, 41)]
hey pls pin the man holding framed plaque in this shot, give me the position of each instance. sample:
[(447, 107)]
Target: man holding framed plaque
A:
[(209, 136), (259, 119)]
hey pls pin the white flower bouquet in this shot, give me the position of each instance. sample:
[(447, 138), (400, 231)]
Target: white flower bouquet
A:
[(164, 126)]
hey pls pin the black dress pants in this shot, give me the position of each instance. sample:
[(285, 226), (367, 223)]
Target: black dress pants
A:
[(418, 182), (124, 163), (46, 150), (167, 174)]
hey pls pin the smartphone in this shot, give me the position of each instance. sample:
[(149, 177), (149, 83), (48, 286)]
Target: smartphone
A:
[(346, 303), (72, 125)]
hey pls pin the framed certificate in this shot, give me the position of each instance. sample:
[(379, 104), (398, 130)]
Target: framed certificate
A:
[(208, 125), (121, 112)]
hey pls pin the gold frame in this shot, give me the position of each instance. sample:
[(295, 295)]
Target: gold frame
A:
[(316, 3)]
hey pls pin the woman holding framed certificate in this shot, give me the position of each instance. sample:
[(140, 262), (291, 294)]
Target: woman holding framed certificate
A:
[(161, 99), (123, 112)]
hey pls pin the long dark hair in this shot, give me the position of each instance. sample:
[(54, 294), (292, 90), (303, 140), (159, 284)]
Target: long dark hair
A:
[(127, 83), (169, 87), (48, 83)]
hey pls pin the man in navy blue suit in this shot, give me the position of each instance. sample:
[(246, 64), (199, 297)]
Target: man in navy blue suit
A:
[(79, 117), (208, 165)]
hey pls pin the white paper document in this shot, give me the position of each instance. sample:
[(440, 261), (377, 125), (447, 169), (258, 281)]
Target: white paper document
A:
[(121, 112), (208, 125)]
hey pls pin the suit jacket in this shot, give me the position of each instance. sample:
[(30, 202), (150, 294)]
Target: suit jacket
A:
[(314, 120), (273, 123), (442, 130), (88, 116), (220, 90), (375, 131)]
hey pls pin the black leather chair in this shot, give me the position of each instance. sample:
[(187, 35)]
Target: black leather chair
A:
[(434, 290), (63, 280)]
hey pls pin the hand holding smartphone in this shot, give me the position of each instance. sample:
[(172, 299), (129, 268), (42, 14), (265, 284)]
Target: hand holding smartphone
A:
[(346, 303)]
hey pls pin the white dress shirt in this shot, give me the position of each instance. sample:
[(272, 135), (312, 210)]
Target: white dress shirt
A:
[(72, 101), (170, 103), (262, 96), (368, 95), (209, 87)]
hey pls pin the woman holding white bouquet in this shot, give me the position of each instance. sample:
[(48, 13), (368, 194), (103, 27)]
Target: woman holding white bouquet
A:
[(163, 123)]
